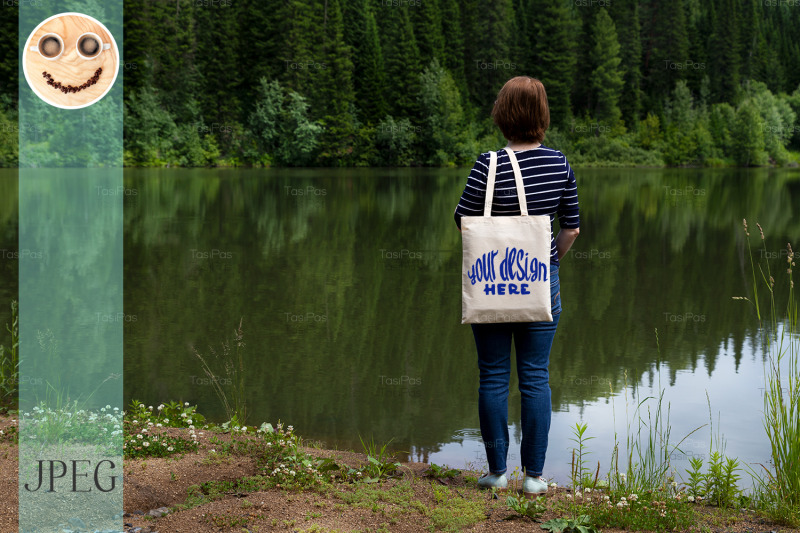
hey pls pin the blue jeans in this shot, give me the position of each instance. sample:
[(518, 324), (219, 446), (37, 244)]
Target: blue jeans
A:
[(532, 341)]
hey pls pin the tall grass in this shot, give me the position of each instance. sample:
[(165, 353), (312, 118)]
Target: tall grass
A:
[(780, 490), (9, 360), (233, 363), (648, 446)]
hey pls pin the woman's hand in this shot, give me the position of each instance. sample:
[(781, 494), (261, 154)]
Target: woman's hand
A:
[(564, 241)]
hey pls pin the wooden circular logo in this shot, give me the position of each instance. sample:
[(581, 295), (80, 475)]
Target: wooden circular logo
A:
[(70, 60)]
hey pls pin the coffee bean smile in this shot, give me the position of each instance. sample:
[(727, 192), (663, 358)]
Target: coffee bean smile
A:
[(69, 88)]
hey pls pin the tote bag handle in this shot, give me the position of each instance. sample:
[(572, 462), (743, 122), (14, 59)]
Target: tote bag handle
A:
[(523, 203)]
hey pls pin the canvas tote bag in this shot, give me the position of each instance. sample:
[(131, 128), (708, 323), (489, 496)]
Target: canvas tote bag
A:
[(506, 261)]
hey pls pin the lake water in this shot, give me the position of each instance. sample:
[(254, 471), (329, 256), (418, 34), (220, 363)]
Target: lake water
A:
[(347, 282)]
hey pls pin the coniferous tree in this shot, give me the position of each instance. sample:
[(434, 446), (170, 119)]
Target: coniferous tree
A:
[(625, 14), (555, 56), (748, 37), (453, 51), (582, 95), (698, 60), (606, 76), (401, 61), (665, 49), (427, 21), (521, 45), (361, 34), (724, 54), (171, 60), (216, 57), (334, 88), (259, 50)]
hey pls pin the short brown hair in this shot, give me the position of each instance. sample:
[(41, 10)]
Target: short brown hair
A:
[(521, 111)]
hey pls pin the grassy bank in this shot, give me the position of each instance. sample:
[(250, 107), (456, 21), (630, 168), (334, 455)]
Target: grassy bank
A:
[(267, 478)]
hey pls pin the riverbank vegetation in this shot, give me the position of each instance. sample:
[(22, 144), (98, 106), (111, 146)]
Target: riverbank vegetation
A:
[(641, 490), (410, 82)]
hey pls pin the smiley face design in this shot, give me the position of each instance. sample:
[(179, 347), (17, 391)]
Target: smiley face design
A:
[(70, 60)]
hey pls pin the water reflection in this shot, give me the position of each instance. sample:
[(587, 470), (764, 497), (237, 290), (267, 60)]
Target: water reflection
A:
[(348, 283)]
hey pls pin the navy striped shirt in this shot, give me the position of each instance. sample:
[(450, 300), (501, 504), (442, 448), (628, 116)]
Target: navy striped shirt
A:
[(550, 189)]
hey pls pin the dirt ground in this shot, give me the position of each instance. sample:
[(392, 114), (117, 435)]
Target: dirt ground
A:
[(154, 483)]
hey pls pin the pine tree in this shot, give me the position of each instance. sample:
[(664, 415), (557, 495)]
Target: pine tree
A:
[(334, 88), (748, 37), (361, 34), (626, 20), (453, 52), (666, 50), (490, 65), (582, 95), (259, 50), (427, 22), (724, 54), (555, 56), (401, 61), (216, 58), (606, 76)]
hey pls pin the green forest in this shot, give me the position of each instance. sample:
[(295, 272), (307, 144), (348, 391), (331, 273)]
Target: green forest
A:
[(412, 82)]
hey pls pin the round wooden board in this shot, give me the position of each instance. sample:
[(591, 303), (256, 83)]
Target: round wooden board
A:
[(70, 68)]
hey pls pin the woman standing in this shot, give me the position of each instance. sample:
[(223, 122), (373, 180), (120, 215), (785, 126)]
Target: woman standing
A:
[(522, 114)]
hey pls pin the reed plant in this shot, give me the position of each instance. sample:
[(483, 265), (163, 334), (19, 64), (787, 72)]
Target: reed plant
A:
[(646, 463), (233, 364), (9, 361), (778, 491)]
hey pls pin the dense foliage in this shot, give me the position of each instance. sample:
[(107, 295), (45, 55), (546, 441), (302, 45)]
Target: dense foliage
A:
[(411, 82)]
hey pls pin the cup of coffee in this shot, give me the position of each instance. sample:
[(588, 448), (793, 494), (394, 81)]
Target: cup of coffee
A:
[(90, 45), (50, 46)]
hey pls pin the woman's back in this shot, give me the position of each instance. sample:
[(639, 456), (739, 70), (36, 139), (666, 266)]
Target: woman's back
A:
[(550, 188)]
